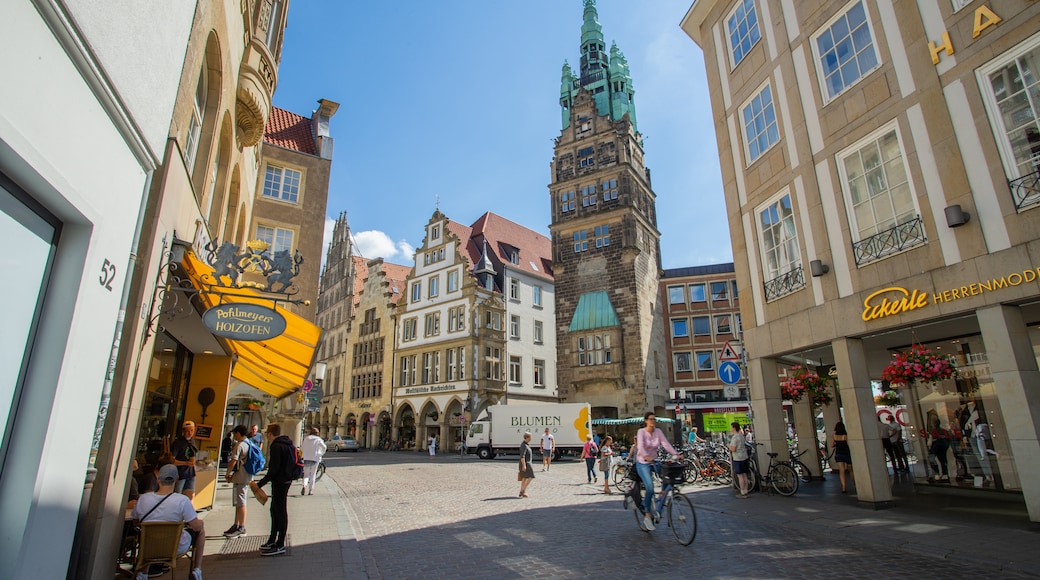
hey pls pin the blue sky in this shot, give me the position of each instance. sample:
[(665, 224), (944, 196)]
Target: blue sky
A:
[(458, 99)]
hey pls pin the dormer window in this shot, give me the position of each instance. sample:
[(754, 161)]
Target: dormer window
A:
[(435, 233), (514, 257)]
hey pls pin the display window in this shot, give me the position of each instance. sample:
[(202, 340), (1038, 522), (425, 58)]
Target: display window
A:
[(958, 436)]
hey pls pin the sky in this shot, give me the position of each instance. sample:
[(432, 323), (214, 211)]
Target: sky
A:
[(456, 103)]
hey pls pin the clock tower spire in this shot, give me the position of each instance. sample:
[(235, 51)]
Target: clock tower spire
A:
[(606, 247)]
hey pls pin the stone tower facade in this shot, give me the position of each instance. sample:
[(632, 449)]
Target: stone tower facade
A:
[(606, 247)]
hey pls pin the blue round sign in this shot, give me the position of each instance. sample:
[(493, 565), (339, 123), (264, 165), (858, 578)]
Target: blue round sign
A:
[(729, 372)]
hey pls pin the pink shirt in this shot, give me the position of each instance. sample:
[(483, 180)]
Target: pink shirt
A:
[(647, 444)]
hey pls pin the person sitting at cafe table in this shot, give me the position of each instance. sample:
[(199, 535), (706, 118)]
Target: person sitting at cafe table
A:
[(165, 505)]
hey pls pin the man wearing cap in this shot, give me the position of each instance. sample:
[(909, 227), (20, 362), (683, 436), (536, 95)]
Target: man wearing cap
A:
[(165, 505), (184, 449)]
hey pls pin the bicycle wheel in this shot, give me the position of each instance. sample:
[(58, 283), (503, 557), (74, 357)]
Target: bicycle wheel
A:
[(802, 470), (783, 479), (682, 519), (691, 471), (723, 472), (320, 473), (621, 480)]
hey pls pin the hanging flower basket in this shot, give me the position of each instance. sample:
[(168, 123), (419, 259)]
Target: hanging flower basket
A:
[(919, 363), (802, 382)]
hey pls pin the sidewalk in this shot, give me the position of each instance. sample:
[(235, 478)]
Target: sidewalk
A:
[(322, 541), (320, 544), (993, 533)]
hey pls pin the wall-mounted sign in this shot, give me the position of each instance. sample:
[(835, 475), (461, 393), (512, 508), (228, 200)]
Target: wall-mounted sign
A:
[(244, 321), (984, 18), (897, 300)]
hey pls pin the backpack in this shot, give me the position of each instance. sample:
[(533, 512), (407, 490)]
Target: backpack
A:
[(593, 450), (254, 462), (296, 457)]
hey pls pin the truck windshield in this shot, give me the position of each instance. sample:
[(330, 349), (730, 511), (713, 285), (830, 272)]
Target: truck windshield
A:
[(475, 428)]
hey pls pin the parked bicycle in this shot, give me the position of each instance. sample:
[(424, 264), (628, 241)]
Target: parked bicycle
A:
[(800, 468), (780, 475), (682, 518)]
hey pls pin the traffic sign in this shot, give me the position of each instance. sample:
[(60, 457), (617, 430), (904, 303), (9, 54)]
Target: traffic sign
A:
[(728, 352), (729, 372), (308, 385)]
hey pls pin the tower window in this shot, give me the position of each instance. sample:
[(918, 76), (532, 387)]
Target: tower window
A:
[(567, 202), (602, 236), (588, 196), (609, 188), (581, 244)]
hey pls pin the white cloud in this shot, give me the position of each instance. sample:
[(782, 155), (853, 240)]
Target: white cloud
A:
[(376, 244)]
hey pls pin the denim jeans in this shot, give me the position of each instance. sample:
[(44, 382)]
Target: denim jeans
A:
[(644, 471), (590, 468)]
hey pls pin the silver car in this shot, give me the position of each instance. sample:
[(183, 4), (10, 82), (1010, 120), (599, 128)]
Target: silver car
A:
[(343, 444)]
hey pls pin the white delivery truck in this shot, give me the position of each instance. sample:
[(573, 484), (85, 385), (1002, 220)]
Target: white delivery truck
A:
[(501, 429)]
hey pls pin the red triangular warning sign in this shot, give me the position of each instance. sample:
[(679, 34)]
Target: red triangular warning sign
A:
[(728, 353)]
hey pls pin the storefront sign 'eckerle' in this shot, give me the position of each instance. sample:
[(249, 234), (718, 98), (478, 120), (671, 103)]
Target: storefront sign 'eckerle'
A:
[(904, 300), (244, 321)]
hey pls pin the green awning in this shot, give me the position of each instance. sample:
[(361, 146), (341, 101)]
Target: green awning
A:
[(594, 311), (629, 421)]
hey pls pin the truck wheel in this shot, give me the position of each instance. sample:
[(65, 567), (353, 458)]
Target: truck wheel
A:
[(484, 453)]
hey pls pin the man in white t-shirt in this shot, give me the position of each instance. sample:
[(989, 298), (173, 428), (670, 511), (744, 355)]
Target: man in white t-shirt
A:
[(313, 450), (548, 447), (166, 506)]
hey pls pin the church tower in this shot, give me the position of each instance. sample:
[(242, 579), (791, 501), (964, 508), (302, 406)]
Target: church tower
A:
[(606, 247)]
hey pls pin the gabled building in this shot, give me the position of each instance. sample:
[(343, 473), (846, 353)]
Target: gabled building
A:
[(454, 328), (369, 353), (605, 243)]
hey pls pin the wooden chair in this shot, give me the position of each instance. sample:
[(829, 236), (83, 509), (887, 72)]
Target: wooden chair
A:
[(158, 545)]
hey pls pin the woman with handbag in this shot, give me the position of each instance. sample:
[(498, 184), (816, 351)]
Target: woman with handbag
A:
[(526, 473), (606, 453)]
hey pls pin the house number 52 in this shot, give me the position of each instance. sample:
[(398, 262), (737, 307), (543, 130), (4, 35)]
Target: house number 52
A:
[(108, 274)]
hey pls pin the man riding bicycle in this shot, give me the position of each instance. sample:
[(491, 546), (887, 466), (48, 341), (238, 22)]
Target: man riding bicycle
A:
[(648, 440)]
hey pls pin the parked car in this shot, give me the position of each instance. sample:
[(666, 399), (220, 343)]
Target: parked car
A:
[(342, 444)]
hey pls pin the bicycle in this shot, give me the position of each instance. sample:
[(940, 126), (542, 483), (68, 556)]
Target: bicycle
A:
[(320, 473), (800, 468), (779, 474), (682, 518)]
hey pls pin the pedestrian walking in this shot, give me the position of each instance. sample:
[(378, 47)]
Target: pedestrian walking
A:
[(432, 444), (738, 448), (184, 450), (279, 475), (313, 450), (842, 453), (606, 454), (166, 505), (896, 439), (589, 452), (885, 433), (239, 479), (526, 473), (257, 438), (548, 447)]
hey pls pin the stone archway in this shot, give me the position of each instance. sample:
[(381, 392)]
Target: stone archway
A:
[(454, 421), (405, 425), (364, 430), (429, 424), (351, 426)]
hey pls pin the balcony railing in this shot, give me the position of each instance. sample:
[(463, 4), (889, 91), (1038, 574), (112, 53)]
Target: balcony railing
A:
[(905, 235), (785, 283), (1026, 190)]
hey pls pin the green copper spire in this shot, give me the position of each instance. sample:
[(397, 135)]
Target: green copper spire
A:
[(606, 78), (567, 84), (591, 31)]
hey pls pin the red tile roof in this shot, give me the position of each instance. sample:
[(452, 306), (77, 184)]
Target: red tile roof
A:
[(395, 275), (360, 275), (469, 250), (290, 130), (503, 236)]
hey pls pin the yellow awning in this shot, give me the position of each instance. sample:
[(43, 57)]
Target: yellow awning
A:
[(277, 366)]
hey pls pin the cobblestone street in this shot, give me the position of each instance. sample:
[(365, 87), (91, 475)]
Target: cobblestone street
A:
[(448, 517)]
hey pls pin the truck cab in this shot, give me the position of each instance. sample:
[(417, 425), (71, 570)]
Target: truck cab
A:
[(478, 439)]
